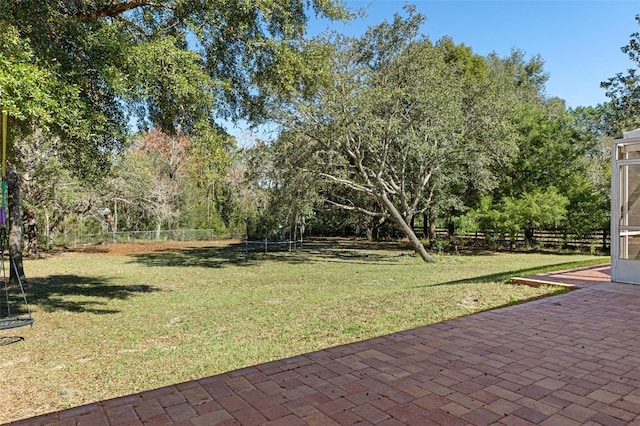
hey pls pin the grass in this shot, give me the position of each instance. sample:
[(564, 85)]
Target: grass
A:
[(110, 324)]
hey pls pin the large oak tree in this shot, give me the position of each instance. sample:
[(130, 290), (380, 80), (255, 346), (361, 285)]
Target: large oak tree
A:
[(399, 120), (173, 64)]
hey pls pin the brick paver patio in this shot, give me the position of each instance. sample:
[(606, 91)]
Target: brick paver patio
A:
[(567, 360)]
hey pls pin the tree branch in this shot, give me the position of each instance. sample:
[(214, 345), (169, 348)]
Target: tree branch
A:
[(357, 209), (115, 9), (346, 182)]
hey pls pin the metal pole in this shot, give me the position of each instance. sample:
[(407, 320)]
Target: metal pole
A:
[(3, 205), (5, 115)]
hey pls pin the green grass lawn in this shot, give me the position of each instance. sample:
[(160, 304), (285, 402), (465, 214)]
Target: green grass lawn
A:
[(109, 324)]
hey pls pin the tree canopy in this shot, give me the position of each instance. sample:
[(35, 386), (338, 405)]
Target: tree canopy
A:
[(382, 128), (402, 121), (88, 71), (624, 89)]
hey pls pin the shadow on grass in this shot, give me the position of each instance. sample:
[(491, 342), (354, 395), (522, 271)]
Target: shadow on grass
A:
[(446, 324), (73, 293), (10, 340), (508, 275), (239, 255), (209, 257)]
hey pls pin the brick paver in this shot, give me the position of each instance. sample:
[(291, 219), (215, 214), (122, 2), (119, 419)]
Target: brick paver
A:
[(566, 360)]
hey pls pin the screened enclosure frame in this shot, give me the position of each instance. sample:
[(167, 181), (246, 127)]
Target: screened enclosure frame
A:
[(625, 208)]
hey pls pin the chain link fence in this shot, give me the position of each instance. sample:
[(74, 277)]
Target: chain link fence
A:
[(74, 240)]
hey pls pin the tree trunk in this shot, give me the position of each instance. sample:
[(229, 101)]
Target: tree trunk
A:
[(425, 225), (115, 221), (408, 231), (431, 221), (47, 230), (373, 230), (15, 227), (209, 206)]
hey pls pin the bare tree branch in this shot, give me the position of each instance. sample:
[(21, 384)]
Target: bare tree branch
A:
[(356, 209), (348, 183)]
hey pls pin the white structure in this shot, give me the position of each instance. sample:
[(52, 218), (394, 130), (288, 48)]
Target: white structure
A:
[(625, 208)]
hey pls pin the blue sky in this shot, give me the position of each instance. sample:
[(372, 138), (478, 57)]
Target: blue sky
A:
[(579, 41)]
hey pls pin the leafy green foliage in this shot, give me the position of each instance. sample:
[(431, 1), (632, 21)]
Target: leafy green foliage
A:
[(558, 178), (50, 192), (537, 209), (403, 125), (590, 206), (83, 67), (25, 88), (169, 85), (512, 215), (384, 127), (276, 204), (624, 89), (86, 73)]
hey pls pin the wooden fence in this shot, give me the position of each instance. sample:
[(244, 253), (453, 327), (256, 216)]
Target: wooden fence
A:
[(598, 240)]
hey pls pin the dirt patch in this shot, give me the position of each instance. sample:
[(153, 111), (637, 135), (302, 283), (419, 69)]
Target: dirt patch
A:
[(146, 247)]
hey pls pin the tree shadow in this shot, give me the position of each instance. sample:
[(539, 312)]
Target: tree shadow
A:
[(239, 254), (207, 257), (508, 275), (73, 293)]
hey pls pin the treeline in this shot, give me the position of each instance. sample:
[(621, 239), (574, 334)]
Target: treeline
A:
[(368, 134), (411, 129)]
